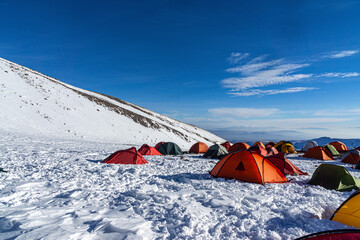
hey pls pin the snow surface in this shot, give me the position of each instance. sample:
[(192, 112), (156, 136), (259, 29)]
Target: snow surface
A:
[(59, 189), (33, 103)]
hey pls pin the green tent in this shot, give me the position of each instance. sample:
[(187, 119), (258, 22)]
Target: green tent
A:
[(216, 151), (170, 148), (334, 177), (332, 150)]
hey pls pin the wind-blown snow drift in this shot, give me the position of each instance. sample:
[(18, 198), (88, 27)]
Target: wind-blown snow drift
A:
[(33, 103)]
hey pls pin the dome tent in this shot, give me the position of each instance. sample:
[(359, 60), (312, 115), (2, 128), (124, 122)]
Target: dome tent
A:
[(285, 147), (334, 177), (248, 166), (159, 144), (239, 146), (340, 147), (199, 147), (341, 234), (318, 153), (147, 150), (284, 165), (215, 151), (259, 143), (128, 156), (259, 149), (170, 148), (309, 144), (271, 150), (227, 145), (352, 156), (332, 150), (270, 144), (348, 212)]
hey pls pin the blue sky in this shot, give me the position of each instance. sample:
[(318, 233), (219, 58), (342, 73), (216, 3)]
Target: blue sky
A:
[(246, 70)]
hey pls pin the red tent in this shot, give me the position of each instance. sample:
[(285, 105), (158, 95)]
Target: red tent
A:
[(147, 150), (285, 166), (271, 150), (318, 152), (128, 156), (159, 144), (239, 146), (227, 145), (259, 149), (348, 234)]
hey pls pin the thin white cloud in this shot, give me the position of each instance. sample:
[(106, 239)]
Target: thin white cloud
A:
[(342, 54), (257, 72), (339, 112), (243, 112), (341, 75), (251, 68), (254, 92), (237, 57), (262, 79)]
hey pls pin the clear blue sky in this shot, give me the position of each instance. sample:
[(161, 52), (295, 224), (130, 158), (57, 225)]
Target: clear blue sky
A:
[(247, 69)]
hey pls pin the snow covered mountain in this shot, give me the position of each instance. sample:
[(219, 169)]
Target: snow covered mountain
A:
[(33, 103)]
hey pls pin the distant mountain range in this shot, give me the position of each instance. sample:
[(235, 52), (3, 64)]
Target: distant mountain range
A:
[(298, 144), (350, 143), (36, 104)]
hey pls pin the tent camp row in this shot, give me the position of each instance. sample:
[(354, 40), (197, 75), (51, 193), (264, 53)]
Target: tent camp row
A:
[(133, 156), (331, 151), (282, 146), (216, 151), (254, 165), (339, 146)]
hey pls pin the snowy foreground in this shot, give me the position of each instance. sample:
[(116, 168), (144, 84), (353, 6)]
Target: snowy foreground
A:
[(58, 189)]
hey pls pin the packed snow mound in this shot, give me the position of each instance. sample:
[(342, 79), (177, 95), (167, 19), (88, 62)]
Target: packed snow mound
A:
[(31, 102), (59, 189)]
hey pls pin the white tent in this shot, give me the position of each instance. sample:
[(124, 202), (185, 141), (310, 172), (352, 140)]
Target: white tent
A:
[(309, 144)]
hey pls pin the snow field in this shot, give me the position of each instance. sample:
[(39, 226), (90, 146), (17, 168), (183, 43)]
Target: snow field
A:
[(58, 189)]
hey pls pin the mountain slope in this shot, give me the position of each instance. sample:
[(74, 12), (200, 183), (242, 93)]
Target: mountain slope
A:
[(33, 103)]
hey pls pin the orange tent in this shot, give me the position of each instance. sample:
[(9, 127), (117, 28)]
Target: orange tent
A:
[(352, 157), (318, 153), (128, 156), (259, 143), (227, 145), (340, 147), (248, 167), (199, 147), (239, 146), (147, 150)]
